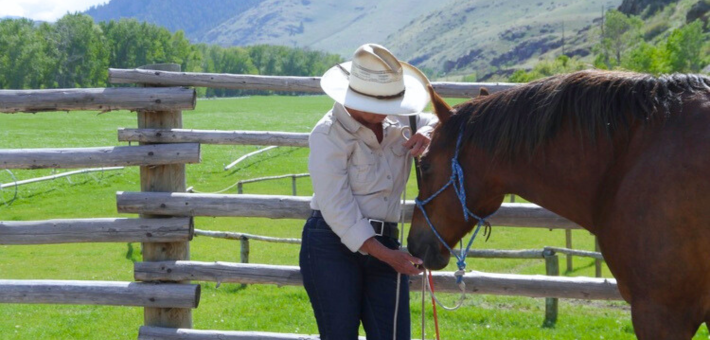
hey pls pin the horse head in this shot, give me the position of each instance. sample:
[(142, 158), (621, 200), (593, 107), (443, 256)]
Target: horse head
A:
[(440, 207)]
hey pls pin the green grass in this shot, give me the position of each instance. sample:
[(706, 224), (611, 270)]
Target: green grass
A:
[(230, 307)]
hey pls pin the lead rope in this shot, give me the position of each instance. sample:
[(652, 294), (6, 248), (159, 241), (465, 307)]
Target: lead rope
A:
[(401, 242)]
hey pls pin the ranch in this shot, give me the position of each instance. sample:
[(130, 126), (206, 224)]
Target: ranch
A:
[(233, 302)]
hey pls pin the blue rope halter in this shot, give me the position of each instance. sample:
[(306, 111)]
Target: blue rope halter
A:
[(457, 183)]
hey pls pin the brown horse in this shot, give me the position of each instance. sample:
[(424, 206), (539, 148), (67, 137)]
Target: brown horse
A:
[(624, 155)]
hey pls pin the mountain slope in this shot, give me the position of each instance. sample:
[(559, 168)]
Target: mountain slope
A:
[(484, 36), (336, 26), (193, 17)]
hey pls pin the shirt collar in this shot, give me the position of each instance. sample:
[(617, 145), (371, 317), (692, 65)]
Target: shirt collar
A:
[(350, 123)]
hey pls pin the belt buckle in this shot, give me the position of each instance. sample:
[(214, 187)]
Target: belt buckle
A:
[(381, 224)]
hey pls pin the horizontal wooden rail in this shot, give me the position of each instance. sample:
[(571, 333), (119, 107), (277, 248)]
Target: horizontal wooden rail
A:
[(298, 207), (175, 229), (213, 137), (110, 293), (98, 99), (240, 236), (158, 154), (575, 252), (268, 178), (476, 282), (158, 333), (270, 83)]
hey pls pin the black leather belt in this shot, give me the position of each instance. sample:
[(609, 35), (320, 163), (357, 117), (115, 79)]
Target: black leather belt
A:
[(382, 228)]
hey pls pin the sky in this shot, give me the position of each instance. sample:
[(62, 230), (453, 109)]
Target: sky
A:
[(45, 10)]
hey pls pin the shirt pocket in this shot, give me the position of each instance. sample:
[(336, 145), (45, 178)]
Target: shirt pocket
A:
[(362, 168)]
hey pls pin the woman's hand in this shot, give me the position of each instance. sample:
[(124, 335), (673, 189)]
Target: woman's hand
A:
[(417, 144), (400, 261)]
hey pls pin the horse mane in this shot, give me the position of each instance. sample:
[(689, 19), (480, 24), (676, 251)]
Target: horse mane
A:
[(519, 120)]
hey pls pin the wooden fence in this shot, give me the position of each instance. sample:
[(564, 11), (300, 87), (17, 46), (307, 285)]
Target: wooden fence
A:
[(165, 224)]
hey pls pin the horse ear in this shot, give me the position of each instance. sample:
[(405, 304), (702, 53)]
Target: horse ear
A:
[(441, 108), (483, 92)]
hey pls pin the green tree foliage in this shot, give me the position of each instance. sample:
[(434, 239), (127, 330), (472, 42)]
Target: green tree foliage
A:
[(619, 34), (624, 47), (76, 52), (546, 68), (684, 48)]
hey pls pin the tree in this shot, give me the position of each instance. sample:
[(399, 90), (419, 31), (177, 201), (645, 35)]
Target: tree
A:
[(620, 33), (82, 52), (684, 48)]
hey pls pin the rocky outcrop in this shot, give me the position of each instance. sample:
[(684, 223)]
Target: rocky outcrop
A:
[(699, 11)]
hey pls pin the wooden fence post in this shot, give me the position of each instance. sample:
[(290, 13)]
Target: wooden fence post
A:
[(552, 268), (240, 187), (293, 184), (244, 253), (165, 178), (568, 245), (597, 262)]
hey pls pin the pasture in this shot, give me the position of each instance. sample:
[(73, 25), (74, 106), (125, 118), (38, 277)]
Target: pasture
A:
[(229, 306)]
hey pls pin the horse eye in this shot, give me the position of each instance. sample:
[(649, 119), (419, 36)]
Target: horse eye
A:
[(425, 167)]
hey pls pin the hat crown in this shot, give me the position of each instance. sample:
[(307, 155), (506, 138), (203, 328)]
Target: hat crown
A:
[(376, 72)]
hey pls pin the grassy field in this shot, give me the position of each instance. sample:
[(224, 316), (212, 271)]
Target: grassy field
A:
[(230, 307)]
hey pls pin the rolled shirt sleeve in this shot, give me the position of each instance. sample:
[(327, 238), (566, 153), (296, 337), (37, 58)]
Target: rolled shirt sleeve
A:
[(327, 164)]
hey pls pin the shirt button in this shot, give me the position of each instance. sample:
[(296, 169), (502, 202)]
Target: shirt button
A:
[(385, 199), (389, 177)]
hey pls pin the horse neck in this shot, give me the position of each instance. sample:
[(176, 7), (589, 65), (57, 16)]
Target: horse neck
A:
[(564, 176)]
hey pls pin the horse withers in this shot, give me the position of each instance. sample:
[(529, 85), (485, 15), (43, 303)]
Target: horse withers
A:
[(624, 155)]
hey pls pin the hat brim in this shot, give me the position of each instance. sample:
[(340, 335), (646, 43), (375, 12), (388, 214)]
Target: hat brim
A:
[(335, 84)]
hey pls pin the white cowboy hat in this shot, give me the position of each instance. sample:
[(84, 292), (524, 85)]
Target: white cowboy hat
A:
[(376, 82)]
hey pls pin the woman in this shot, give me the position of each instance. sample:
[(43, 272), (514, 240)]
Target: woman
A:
[(359, 163)]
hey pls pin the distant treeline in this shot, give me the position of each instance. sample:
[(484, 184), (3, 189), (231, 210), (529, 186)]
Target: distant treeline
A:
[(76, 52)]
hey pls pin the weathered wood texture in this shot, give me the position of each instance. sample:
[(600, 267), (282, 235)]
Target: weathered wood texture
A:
[(575, 252), (271, 83), (156, 333), (168, 178), (100, 157), (278, 207), (213, 137), (501, 253), (171, 229), (241, 236), (476, 282), (100, 293), (99, 99), (268, 178)]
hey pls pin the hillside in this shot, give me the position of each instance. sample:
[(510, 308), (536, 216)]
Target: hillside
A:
[(193, 17), (483, 36), (336, 26), (486, 39)]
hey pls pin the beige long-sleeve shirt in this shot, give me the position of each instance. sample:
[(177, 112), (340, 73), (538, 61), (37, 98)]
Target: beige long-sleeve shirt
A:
[(355, 177)]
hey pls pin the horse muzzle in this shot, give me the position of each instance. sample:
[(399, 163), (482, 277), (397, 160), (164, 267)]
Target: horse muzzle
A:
[(429, 251)]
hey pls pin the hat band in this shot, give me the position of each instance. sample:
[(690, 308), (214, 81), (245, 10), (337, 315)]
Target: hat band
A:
[(376, 96)]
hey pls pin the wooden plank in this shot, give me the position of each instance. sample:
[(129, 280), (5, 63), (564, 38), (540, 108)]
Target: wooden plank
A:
[(98, 99), (290, 207), (476, 282), (171, 229), (157, 333), (271, 83), (166, 178), (111, 293), (147, 155), (214, 137), (241, 236)]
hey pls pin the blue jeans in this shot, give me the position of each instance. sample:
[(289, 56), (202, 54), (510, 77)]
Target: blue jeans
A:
[(346, 288)]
